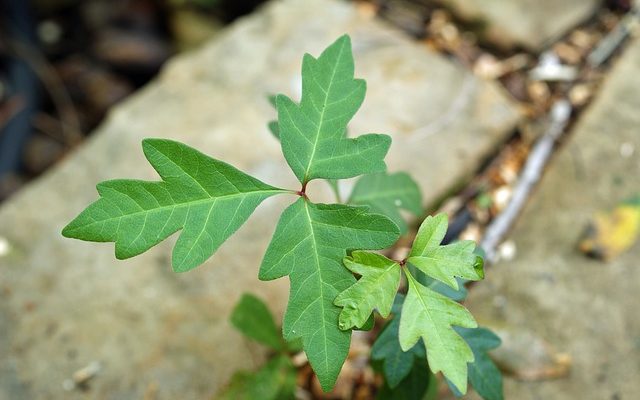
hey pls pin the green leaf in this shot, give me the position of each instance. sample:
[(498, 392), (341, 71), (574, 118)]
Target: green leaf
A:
[(275, 131), (252, 317), (368, 324), (309, 244), (273, 125), (418, 384), (378, 285), (430, 316), (273, 128), (444, 263), (276, 380), (484, 376), (313, 133), (206, 198), (387, 193), (430, 235), (396, 363)]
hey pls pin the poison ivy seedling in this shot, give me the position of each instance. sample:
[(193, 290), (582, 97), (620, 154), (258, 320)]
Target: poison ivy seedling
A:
[(207, 200)]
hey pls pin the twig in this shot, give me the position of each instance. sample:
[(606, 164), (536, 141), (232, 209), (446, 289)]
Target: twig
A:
[(531, 173), (614, 39)]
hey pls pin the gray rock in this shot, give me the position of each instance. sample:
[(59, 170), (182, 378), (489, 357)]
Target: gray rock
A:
[(530, 23), (582, 307), (65, 303)]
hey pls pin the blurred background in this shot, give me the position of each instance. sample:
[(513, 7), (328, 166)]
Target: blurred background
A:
[(64, 63), (518, 118)]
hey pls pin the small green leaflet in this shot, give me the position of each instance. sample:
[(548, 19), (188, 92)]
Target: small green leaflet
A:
[(206, 198), (376, 289), (387, 193), (484, 376), (444, 263), (396, 364), (276, 380), (252, 317), (429, 315), (308, 245), (312, 133)]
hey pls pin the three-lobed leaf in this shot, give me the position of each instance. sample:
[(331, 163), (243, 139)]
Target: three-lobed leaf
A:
[(312, 133), (376, 288), (308, 245), (252, 317), (205, 198), (387, 193)]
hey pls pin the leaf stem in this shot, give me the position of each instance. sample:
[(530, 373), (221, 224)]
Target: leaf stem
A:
[(303, 191)]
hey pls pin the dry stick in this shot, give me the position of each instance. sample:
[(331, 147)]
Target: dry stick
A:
[(539, 156), (610, 43), (531, 173)]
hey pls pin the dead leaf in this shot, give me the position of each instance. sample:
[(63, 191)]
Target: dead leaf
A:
[(611, 233)]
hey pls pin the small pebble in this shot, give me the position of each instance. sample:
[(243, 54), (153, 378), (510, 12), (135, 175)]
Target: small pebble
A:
[(49, 32), (627, 149), (501, 197), (507, 250), (4, 247)]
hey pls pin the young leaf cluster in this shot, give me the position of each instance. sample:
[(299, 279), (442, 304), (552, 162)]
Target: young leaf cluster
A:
[(426, 314)]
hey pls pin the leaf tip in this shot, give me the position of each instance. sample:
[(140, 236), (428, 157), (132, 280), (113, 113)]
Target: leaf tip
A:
[(344, 39), (67, 231)]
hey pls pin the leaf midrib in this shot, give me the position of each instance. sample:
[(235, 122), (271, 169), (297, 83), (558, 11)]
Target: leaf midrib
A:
[(316, 255), (426, 311), (321, 122), (184, 204)]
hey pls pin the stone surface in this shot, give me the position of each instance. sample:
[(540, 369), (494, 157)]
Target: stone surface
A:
[(580, 306), (65, 303), (530, 23)]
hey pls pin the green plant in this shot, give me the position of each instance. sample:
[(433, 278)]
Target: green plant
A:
[(276, 379), (208, 200)]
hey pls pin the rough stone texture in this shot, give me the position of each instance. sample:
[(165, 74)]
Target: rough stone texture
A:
[(65, 303), (530, 23), (584, 307)]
